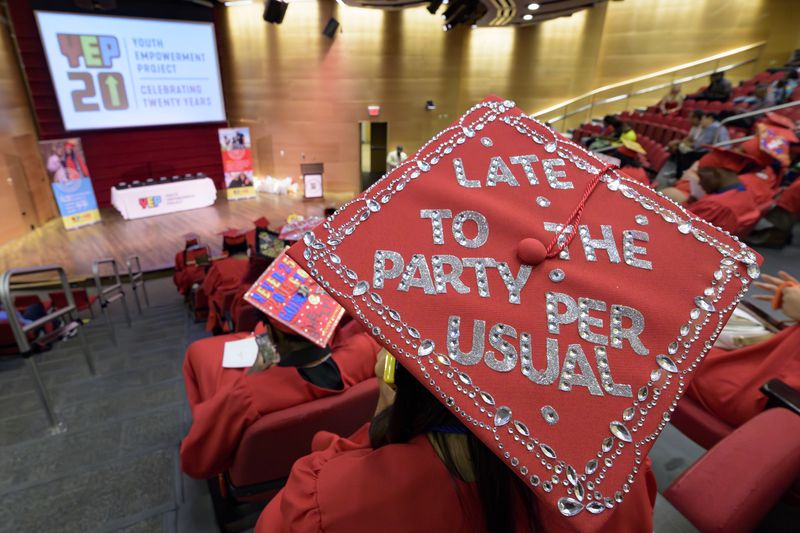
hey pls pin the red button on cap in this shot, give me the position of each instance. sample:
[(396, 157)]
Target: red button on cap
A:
[(531, 251)]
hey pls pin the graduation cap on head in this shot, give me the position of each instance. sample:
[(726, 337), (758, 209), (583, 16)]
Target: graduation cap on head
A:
[(631, 148), (190, 239), (728, 159), (781, 121), (261, 222), (555, 306)]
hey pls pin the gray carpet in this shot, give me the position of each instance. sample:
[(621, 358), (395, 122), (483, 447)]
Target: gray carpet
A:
[(116, 466)]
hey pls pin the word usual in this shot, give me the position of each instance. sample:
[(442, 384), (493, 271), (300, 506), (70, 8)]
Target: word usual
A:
[(625, 324)]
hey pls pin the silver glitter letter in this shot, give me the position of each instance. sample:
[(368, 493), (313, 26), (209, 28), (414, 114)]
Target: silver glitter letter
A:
[(480, 264), (424, 281), (609, 386), (514, 285), (525, 161), (630, 334), (461, 176), (554, 318), (629, 249), (379, 267), (458, 229), (441, 279), (558, 229), (549, 375), (585, 305), (436, 216), (606, 243), (505, 175), (473, 357), (586, 378), (553, 175), (509, 360)]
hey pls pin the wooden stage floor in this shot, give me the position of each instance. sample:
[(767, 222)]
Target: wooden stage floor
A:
[(155, 240)]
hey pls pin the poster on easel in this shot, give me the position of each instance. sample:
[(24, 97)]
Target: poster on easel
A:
[(70, 181), (237, 162)]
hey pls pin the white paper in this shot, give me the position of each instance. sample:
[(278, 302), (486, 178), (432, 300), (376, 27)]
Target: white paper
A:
[(240, 354)]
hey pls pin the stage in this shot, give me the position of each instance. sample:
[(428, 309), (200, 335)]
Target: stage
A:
[(155, 240)]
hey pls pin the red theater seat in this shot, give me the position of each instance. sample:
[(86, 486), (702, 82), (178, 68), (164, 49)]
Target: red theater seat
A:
[(271, 445), (24, 301), (83, 300), (737, 482)]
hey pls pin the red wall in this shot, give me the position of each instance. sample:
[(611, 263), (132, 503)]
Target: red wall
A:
[(114, 155)]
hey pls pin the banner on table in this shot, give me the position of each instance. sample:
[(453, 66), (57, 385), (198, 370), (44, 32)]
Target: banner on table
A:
[(70, 180), (237, 162), (287, 294)]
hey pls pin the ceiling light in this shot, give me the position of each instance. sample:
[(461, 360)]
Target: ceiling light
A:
[(238, 3), (533, 7), (527, 17)]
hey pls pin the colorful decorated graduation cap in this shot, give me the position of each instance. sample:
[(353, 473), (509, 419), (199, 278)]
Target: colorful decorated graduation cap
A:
[(555, 306), (294, 302), (728, 159)]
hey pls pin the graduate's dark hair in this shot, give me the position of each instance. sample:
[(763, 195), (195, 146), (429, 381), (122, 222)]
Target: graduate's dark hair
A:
[(416, 411)]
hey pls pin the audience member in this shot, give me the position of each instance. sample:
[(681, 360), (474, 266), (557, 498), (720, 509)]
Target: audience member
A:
[(710, 133), (728, 382), (672, 101), (226, 401), (395, 158), (719, 89), (223, 276), (432, 470)]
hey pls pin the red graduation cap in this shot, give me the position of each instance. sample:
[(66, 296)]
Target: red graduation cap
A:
[(780, 121), (728, 159), (190, 239), (261, 222), (233, 237), (557, 307)]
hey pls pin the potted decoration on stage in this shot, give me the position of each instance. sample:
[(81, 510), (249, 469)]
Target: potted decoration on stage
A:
[(286, 293), (237, 162), (69, 178)]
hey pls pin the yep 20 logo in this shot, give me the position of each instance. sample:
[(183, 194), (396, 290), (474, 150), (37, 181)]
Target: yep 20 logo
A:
[(97, 51), (149, 202)]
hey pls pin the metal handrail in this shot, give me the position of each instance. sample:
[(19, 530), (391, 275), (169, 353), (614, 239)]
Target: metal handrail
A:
[(110, 294), (591, 103), (20, 331), (136, 280), (757, 112)]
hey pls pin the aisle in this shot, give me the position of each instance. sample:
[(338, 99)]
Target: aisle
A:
[(115, 468)]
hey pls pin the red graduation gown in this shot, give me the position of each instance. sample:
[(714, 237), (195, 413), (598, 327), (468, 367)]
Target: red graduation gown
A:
[(225, 275), (790, 198), (762, 185), (732, 210), (728, 381), (225, 402), (345, 486)]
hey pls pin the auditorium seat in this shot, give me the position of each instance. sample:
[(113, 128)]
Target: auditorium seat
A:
[(24, 301), (747, 473), (270, 446), (83, 300)]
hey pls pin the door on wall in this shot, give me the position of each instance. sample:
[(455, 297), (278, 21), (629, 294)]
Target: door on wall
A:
[(372, 143), (16, 207)]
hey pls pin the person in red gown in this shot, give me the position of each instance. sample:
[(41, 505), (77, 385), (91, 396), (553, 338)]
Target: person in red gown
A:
[(226, 401), (728, 383), (223, 277), (719, 197), (417, 462), (190, 239)]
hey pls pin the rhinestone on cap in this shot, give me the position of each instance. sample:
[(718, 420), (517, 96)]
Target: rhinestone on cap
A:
[(502, 416), (619, 430), (569, 506)]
